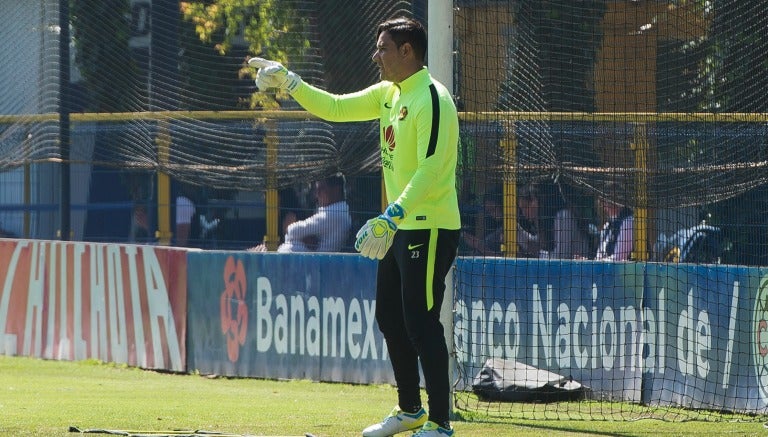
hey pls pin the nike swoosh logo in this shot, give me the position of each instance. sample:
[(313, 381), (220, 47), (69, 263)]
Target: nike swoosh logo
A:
[(414, 246), (387, 105)]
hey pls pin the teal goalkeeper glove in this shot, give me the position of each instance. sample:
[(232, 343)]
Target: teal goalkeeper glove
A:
[(273, 74), (375, 237)]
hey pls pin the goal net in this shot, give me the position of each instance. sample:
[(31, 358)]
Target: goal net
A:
[(579, 119)]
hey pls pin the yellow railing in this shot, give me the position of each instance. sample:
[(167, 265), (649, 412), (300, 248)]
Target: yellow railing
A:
[(640, 146), (636, 117)]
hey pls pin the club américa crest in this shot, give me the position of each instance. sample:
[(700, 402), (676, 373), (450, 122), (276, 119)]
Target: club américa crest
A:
[(760, 337)]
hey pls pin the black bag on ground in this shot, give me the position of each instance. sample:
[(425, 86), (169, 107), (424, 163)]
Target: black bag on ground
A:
[(512, 381)]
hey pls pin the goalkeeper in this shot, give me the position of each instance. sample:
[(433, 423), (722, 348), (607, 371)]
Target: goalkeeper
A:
[(417, 235)]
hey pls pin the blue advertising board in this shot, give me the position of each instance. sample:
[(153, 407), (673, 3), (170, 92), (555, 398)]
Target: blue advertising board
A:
[(577, 319), (706, 328), (285, 316), (662, 334)]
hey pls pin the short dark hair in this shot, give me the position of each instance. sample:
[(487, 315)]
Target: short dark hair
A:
[(337, 181), (528, 191), (406, 30)]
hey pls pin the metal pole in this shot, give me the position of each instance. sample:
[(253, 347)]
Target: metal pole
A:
[(163, 70), (272, 238), (64, 125), (440, 41), (641, 147), (163, 141), (509, 242), (440, 62)]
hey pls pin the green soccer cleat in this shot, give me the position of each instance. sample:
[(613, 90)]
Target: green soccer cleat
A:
[(397, 421), (431, 429)]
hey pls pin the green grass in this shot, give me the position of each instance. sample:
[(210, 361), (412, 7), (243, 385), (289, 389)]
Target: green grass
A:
[(45, 398)]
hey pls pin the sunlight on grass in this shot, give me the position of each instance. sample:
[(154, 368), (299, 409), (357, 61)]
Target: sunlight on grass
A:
[(44, 398)]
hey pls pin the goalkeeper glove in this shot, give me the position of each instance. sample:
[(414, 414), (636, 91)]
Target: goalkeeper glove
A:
[(375, 237), (273, 74)]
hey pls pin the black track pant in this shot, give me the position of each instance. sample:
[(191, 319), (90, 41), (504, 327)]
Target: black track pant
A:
[(410, 286)]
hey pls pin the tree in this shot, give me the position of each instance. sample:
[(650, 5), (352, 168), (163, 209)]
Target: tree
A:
[(272, 29)]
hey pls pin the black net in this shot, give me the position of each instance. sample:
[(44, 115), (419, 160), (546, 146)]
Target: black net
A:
[(609, 131)]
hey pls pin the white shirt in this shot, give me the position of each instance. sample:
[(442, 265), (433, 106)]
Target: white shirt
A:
[(623, 247), (569, 242), (331, 225), (185, 209)]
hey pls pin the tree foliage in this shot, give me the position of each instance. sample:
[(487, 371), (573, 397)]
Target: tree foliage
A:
[(273, 29)]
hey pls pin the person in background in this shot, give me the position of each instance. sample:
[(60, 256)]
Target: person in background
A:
[(530, 232), (493, 228), (570, 233), (416, 238), (530, 235), (185, 210), (139, 232), (290, 209), (328, 228), (324, 231), (616, 240)]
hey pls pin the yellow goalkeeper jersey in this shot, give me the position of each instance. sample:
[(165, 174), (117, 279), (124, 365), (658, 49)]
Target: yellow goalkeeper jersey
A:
[(419, 135)]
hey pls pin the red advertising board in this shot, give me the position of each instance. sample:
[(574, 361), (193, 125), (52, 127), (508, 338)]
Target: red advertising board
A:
[(111, 302)]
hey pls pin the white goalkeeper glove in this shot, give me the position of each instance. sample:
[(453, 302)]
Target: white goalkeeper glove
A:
[(273, 74), (375, 237)]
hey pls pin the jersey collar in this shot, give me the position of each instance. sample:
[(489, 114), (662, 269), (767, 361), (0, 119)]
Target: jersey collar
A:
[(414, 81)]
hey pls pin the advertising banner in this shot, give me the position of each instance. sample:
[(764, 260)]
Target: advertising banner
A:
[(110, 302), (707, 337), (662, 334), (285, 316), (576, 319)]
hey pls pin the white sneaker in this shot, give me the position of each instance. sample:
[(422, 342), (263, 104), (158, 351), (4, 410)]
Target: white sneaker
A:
[(397, 421), (431, 429)]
